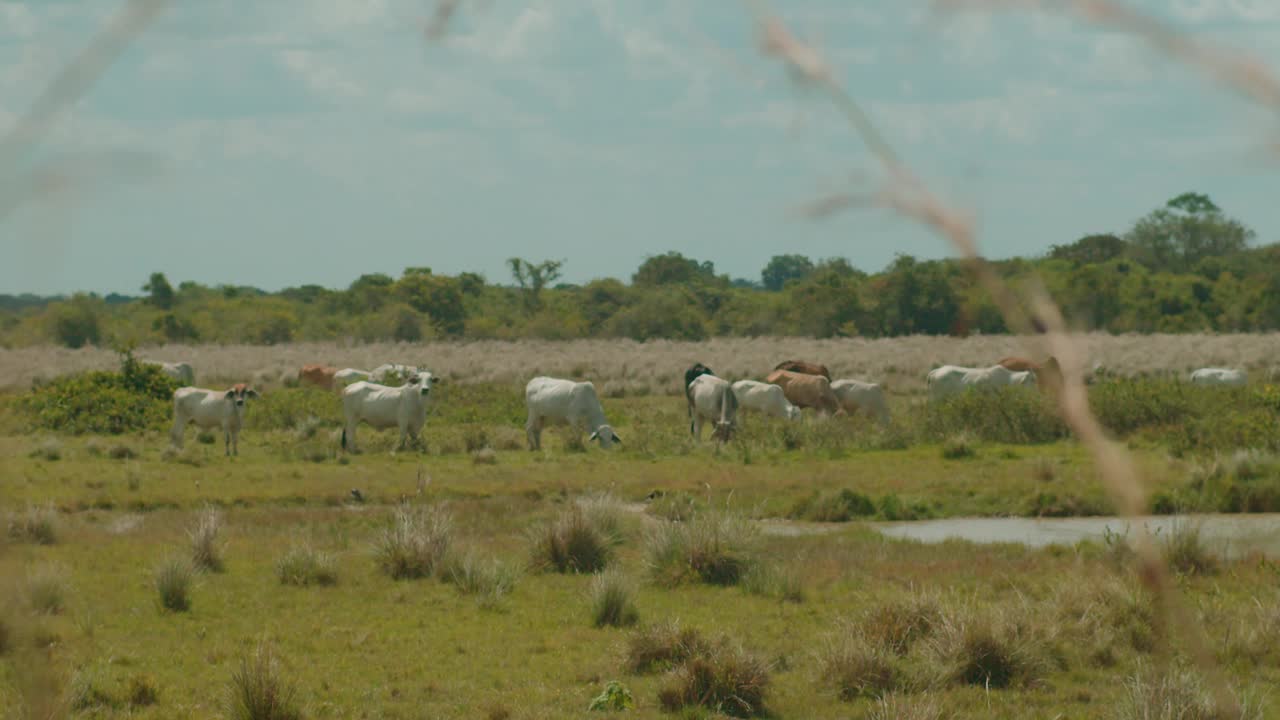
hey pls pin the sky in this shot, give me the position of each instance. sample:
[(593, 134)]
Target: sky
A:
[(295, 142)]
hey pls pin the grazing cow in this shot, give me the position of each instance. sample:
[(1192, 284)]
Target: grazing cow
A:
[(346, 376), (182, 372), (867, 397), (403, 407), (804, 368), (565, 402), (804, 390), (1219, 376), (1026, 377), (318, 375), (693, 372), (211, 408), (1018, 363), (712, 398), (394, 373), (764, 398), (952, 379), (1048, 375)]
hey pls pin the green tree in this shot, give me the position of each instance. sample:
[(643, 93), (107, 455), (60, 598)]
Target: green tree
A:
[(672, 268), (77, 322), (533, 278), (915, 297), (370, 292), (159, 291), (782, 268), (1188, 229), (1089, 249), (439, 296)]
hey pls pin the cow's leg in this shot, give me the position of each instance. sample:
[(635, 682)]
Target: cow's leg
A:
[(533, 431), (697, 427), (226, 438), (179, 428)]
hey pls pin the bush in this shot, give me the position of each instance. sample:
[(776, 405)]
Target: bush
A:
[(138, 397), (840, 506), (612, 600), (49, 449), (959, 446), (1009, 415), (1186, 552), (302, 565), (615, 698), (855, 668), (489, 581), (173, 582), (713, 548), (416, 543), (143, 691), (661, 647), (579, 540), (258, 692), (47, 590), (206, 555), (725, 679), (36, 525)]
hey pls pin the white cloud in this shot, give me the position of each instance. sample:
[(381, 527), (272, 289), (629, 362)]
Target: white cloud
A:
[(16, 20), (319, 74)]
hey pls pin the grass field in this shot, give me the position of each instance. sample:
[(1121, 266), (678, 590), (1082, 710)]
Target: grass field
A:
[(754, 550)]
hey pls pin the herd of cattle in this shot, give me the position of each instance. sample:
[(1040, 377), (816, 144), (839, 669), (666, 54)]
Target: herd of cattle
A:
[(374, 397)]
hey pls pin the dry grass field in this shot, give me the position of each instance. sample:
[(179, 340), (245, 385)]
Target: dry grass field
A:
[(656, 367)]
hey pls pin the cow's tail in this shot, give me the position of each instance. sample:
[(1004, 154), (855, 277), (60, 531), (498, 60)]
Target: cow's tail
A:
[(344, 438)]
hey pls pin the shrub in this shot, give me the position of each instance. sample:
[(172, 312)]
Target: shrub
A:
[(303, 565), (206, 555), (1009, 415), (840, 506), (173, 582), (726, 679), (576, 541), (713, 548), (416, 543), (612, 600), (959, 446), (138, 397), (1186, 552), (38, 524), (615, 698), (47, 590), (662, 646), (258, 691), (855, 668), (489, 581), (143, 691), (49, 449)]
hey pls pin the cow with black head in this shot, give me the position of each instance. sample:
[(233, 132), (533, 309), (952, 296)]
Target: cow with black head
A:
[(690, 375)]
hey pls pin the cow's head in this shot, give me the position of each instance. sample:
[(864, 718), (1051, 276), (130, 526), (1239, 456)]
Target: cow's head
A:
[(239, 393), (424, 381), (606, 436), (724, 431), (793, 412)]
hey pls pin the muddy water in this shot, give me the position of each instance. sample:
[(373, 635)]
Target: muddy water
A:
[(1231, 535)]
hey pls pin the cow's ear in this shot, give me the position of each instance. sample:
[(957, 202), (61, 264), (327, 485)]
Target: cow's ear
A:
[(617, 438), (594, 436), (253, 394), (229, 394)]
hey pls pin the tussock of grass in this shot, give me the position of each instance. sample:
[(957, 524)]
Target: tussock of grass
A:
[(612, 600), (676, 506), (715, 548), (772, 580), (856, 668), (143, 691), (899, 707), (206, 554), (1175, 694), (416, 543), (837, 506), (662, 646), (489, 581), (122, 452), (87, 692), (258, 691), (581, 539), (980, 649), (37, 524), (1186, 552), (485, 456), (47, 590), (173, 583), (959, 446), (896, 627), (49, 449), (303, 565), (725, 679)]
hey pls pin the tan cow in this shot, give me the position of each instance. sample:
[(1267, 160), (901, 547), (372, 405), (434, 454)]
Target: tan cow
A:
[(804, 368), (804, 391), (1048, 374), (318, 375)]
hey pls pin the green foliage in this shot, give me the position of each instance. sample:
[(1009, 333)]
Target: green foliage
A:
[(137, 397), (840, 506), (173, 583), (77, 322), (714, 548), (416, 544), (1008, 415), (303, 565), (614, 698), (259, 690), (612, 600), (783, 269), (159, 292)]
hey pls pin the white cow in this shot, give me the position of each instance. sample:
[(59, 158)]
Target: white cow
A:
[(182, 372), (393, 372), (403, 407), (1023, 377), (858, 395), (712, 398), (1218, 376), (764, 398), (565, 402), (952, 379), (347, 376), (211, 408)]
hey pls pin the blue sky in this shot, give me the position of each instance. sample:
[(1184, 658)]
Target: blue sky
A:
[(310, 141)]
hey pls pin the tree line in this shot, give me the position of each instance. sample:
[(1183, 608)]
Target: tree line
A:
[(1183, 267)]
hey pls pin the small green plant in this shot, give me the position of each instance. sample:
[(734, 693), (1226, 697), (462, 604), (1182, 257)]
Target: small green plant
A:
[(840, 506), (612, 600), (206, 554), (303, 565), (614, 698), (258, 689), (173, 583), (416, 543)]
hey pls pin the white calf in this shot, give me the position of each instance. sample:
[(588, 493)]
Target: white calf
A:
[(182, 372), (403, 407), (211, 408), (713, 399), (952, 379), (393, 373), (867, 397), (565, 402), (1218, 376), (347, 376), (764, 398)]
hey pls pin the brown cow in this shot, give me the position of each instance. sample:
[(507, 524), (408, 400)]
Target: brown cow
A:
[(804, 368), (318, 375), (805, 390), (1048, 374)]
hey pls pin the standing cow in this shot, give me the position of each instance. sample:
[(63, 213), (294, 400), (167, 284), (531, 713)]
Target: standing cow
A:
[(209, 409), (182, 372), (1219, 376), (319, 375), (764, 398), (712, 398), (804, 368), (403, 407), (859, 396), (951, 380), (565, 402), (694, 371), (804, 390)]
